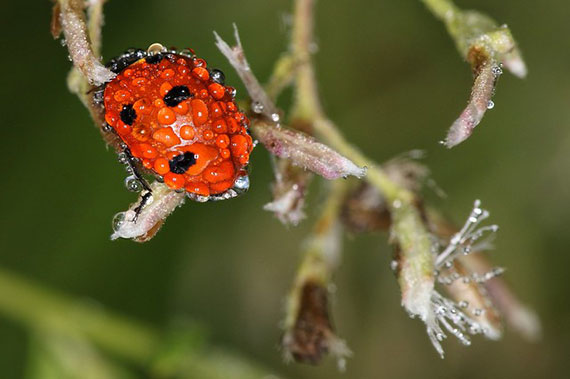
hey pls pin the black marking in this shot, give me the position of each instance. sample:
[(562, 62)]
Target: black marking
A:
[(176, 95), (144, 201), (181, 163), (217, 76), (128, 114), (126, 59), (154, 59)]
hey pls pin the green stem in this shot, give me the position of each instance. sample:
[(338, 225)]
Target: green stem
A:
[(38, 307), (442, 9), (43, 309)]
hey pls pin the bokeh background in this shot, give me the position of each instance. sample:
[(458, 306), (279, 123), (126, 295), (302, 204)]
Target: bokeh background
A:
[(391, 78)]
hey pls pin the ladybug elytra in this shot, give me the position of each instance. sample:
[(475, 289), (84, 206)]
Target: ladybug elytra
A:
[(177, 120)]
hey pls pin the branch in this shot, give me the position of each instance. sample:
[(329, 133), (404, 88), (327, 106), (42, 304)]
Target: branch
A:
[(308, 327), (304, 151), (237, 59), (486, 46), (72, 20)]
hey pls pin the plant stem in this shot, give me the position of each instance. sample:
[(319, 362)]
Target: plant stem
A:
[(442, 9), (39, 307), (42, 309)]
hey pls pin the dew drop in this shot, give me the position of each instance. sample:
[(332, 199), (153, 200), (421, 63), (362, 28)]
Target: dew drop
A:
[(497, 71), (217, 76), (155, 48), (123, 158), (257, 107), (133, 184), (394, 265), (118, 221), (490, 104)]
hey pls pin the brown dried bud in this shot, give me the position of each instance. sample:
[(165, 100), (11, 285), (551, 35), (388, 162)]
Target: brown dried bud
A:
[(308, 340), (365, 210)]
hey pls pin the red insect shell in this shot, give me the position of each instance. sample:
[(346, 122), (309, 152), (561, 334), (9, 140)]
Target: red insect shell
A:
[(181, 124)]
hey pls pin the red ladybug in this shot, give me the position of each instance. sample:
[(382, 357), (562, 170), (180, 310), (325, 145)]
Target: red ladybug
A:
[(177, 120)]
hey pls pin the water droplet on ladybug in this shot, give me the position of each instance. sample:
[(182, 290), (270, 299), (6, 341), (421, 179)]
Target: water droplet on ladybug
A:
[(123, 158), (217, 76)]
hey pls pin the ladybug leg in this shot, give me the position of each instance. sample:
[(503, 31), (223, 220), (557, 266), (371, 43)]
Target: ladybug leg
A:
[(132, 168), (144, 200), (138, 179)]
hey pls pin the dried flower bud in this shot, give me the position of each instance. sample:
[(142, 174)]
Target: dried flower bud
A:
[(471, 312), (308, 341), (406, 171), (473, 300), (486, 46), (289, 190), (365, 210), (306, 152), (486, 75), (141, 225), (517, 315)]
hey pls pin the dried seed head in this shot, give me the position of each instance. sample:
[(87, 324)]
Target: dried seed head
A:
[(312, 336), (364, 210)]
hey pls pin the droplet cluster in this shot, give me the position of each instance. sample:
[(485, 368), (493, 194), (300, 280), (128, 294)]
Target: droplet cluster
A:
[(180, 121)]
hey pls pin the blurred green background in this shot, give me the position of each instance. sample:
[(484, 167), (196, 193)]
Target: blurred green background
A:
[(392, 79)]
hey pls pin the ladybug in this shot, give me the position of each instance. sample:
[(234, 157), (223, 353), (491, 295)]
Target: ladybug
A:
[(174, 119)]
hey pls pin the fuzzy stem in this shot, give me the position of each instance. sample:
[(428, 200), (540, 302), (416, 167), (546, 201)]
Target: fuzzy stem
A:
[(408, 229), (306, 104), (442, 9), (308, 327)]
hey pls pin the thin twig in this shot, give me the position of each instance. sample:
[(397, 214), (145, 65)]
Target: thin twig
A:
[(72, 19)]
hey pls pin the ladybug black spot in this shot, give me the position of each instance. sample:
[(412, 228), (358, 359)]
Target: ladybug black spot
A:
[(181, 163), (128, 114), (154, 59), (176, 95)]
